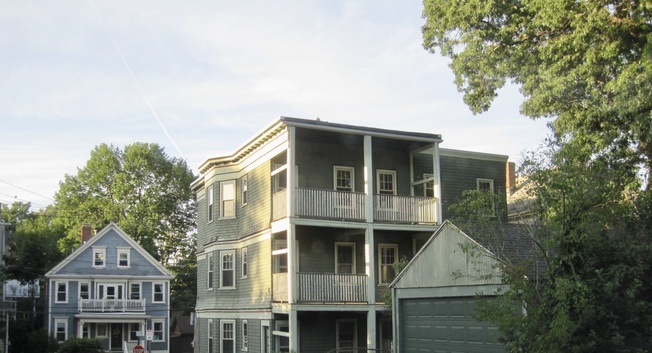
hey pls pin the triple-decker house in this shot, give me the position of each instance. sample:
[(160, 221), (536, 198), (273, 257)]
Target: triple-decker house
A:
[(110, 289), (300, 228)]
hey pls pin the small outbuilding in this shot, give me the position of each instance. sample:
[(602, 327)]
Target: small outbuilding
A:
[(434, 297)]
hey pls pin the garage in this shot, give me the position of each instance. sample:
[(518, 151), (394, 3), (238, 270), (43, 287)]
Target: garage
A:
[(445, 325), (434, 297)]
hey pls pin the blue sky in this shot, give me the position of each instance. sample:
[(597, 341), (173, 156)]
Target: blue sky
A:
[(213, 73)]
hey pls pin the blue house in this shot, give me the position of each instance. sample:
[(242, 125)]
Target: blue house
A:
[(110, 288)]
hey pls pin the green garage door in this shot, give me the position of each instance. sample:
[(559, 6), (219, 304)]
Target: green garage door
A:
[(445, 325)]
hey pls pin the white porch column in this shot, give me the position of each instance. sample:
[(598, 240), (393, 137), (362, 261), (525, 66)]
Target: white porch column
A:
[(371, 329), (294, 330), (437, 182), (368, 179)]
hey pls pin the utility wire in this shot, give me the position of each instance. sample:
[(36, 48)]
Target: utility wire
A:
[(31, 192)]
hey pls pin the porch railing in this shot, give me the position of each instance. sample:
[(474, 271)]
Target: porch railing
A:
[(326, 203), (112, 305), (331, 204), (280, 287), (405, 209), (332, 287)]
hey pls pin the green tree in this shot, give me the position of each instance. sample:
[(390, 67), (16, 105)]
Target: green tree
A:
[(143, 190), (594, 225), (587, 64)]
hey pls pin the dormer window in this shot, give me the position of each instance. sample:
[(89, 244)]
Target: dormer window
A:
[(99, 257), (124, 257)]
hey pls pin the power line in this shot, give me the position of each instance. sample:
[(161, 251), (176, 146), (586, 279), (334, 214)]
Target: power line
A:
[(31, 192)]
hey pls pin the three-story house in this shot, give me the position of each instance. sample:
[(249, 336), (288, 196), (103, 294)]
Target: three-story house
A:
[(299, 229)]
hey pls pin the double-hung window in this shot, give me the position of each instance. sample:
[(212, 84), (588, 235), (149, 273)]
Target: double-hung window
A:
[(209, 271), (344, 257), (387, 257), (209, 336), (227, 199), (343, 178), (386, 182), (158, 331), (158, 292), (429, 186), (245, 189), (134, 291), (347, 335), (99, 256), (211, 203), (245, 335), (227, 336), (227, 269), (61, 326), (245, 263), (84, 290), (62, 292), (123, 257), (486, 188)]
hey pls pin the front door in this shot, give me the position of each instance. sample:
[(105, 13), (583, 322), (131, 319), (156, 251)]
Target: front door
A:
[(116, 337)]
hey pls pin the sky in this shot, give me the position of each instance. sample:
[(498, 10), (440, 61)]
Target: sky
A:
[(200, 78)]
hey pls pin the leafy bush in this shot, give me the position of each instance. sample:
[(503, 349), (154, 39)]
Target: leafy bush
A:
[(81, 345)]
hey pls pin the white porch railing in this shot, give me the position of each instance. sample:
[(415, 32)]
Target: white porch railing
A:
[(330, 204), (280, 285), (112, 305), (332, 287), (405, 209), (279, 204)]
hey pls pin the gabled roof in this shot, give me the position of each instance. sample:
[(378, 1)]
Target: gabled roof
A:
[(442, 255), (111, 228)]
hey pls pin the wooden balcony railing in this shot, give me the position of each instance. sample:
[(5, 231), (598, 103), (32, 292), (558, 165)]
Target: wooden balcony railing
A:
[(405, 209), (324, 203), (331, 204), (112, 305), (332, 287), (323, 287)]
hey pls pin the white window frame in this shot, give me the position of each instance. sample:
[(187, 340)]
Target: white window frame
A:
[(379, 174), (245, 335), (122, 251), (88, 291), (337, 259), (381, 265), (244, 189), (281, 333), (154, 285), (210, 336), (162, 337), (133, 335), (338, 330), (227, 195), (231, 269), (244, 265), (131, 291), (210, 267), (99, 250), (351, 171), (65, 292), (86, 330), (210, 203), (480, 181), (223, 332), (57, 322)]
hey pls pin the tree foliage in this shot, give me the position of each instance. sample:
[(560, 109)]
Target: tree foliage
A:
[(587, 64), (32, 249), (594, 226), (143, 190)]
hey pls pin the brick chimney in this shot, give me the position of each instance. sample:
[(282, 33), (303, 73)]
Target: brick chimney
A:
[(86, 232), (511, 177)]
